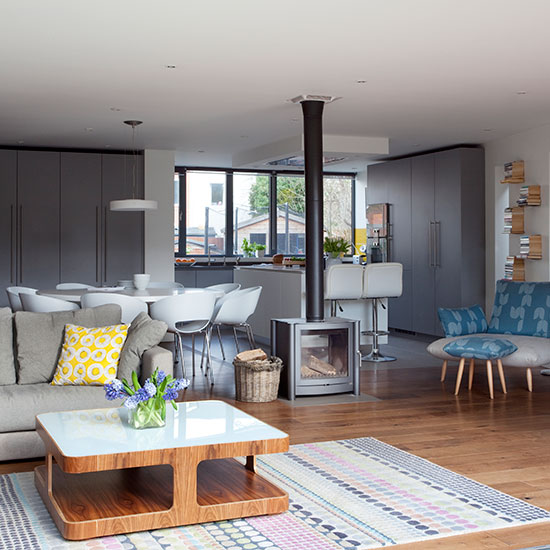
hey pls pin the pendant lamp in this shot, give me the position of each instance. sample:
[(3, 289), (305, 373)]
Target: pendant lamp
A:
[(133, 204)]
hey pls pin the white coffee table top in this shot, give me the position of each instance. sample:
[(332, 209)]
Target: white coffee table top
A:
[(106, 431)]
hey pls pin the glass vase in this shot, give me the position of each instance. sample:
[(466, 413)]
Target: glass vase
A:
[(148, 414)]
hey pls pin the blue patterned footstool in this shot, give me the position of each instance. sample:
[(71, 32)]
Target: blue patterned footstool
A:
[(486, 349)]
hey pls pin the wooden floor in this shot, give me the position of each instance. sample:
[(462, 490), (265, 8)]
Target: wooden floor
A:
[(503, 443)]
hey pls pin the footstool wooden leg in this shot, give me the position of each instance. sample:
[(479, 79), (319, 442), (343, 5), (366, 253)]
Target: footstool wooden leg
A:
[(501, 375), (443, 371), (459, 375), (471, 373), (490, 378), (529, 380)]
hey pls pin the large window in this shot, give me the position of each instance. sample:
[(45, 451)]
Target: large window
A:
[(250, 210), (205, 203), (221, 208)]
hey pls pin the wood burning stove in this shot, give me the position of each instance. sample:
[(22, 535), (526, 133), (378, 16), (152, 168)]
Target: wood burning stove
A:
[(318, 358)]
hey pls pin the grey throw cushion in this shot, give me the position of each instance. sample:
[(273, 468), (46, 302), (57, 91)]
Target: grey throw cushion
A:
[(143, 334), (39, 337), (7, 364)]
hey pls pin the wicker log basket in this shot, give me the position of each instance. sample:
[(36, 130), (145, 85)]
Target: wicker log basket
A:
[(256, 379)]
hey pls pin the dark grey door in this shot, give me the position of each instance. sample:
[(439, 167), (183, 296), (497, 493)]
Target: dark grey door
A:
[(423, 244), (38, 218), (8, 205), (81, 218), (123, 238), (449, 260), (400, 309)]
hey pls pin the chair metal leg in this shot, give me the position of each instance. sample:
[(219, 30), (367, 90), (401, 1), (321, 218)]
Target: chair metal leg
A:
[(209, 369), (247, 329), (181, 356), (251, 336), (375, 356), (220, 341), (202, 353), (193, 351), (236, 340), (176, 348)]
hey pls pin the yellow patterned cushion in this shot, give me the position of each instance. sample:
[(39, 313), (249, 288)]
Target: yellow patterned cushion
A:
[(90, 355)]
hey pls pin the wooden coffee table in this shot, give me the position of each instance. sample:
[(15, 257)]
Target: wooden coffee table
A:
[(103, 477)]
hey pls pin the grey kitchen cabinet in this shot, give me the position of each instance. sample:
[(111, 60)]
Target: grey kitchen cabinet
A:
[(80, 220), (123, 232), (186, 276), (213, 276), (445, 223), (38, 218), (8, 218)]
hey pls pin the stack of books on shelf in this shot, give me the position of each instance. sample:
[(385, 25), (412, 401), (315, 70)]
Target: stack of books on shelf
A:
[(514, 172), (530, 247), (508, 220), (514, 269), (513, 220), (529, 195)]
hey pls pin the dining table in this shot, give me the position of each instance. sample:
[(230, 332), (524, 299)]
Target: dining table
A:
[(148, 295)]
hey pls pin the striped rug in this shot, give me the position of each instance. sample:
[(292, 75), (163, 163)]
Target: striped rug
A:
[(350, 494)]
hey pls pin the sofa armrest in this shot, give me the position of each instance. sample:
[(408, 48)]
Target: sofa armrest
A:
[(156, 357)]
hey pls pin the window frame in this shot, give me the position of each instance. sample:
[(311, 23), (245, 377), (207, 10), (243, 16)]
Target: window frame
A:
[(229, 245)]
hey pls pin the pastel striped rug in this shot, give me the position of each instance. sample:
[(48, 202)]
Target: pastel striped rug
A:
[(351, 494)]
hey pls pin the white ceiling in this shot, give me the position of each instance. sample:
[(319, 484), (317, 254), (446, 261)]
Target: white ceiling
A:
[(438, 72)]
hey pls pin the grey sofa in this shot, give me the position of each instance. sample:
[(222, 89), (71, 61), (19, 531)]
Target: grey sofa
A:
[(29, 347)]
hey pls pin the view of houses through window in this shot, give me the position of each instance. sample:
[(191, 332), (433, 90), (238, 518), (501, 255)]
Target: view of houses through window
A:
[(205, 212)]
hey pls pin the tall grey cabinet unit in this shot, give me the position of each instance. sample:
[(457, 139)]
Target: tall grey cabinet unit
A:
[(445, 223), (81, 218), (8, 222), (123, 232), (37, 218)]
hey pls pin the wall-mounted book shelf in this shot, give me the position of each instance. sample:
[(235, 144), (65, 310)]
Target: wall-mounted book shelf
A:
[(529, 195), (514, 268), (514, 172), (530, 247), (514, 220)]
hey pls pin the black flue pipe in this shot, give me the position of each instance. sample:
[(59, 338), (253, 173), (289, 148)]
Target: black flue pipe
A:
[(313, 154)]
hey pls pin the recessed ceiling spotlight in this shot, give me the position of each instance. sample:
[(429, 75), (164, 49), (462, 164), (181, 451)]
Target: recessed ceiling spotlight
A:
[(169, 66), (521, 92), (294, 120), (20, 142), (244, 137), (487, 129), (114, 109), (89, 129), (361, 81), (200, 151), (107, 146)]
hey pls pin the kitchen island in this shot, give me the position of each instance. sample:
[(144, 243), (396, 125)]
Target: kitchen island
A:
[(283, 296)]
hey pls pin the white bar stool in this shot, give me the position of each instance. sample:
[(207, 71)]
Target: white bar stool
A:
[(381, 280), (343, 282)]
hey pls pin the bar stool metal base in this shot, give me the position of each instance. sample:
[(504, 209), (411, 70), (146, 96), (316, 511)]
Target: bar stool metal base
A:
[(376, 357)]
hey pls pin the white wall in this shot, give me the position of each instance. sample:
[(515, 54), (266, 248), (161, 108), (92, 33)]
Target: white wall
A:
[(532, 146), (159, 224)]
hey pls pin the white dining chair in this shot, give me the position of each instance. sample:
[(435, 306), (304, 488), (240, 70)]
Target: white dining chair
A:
[(14, 296), (226, 288), (131, 307), (164, 284), (187, 314), (234, 310), (73, 286), (45, 304)]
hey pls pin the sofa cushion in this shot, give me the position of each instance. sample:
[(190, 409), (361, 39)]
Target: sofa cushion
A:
[(532, 351), (462, 321), (143, 334), (7, 364), (480, 348), (39, 337), (21, 403), (90, 356), (521, 308)]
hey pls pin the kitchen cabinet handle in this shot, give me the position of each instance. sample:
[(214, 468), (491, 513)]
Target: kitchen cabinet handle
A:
[(20, 221), (431, 244), (437, 241), (104, 244), (97, 237), (12, 247)]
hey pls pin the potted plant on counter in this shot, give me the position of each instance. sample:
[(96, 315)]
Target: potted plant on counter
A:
[(260, 250), (335, 247)]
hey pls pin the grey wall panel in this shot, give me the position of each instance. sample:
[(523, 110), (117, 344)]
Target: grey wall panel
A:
[(423, 229), (8, 211), (81, 218), (38, 218), (123, 237)]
